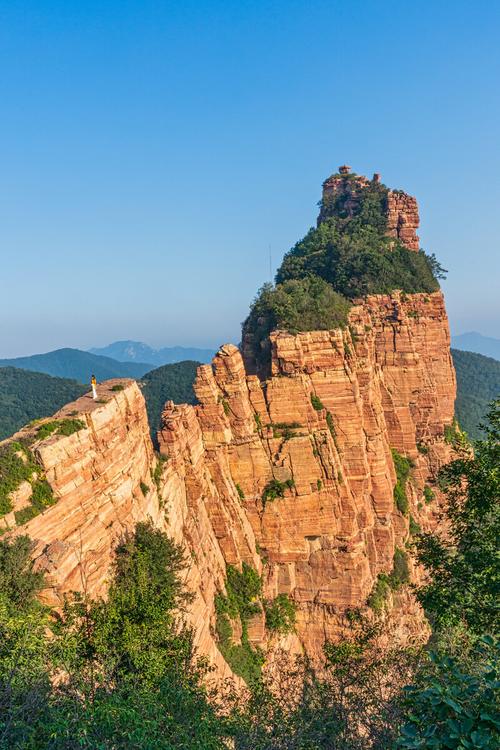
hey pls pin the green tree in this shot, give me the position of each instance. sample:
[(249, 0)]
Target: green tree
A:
[(464, 565)]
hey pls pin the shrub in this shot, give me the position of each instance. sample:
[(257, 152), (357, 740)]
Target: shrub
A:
[(226, 407), (402, 466), (61, 427), (275, 489), (241, 601), (297, 305), (428, 494), (451, 432), (156, 474), (316, 402), (379, 594), (400, 570), (280, 614), (414, 526), (331, 424), (387, 582), (117, 387), (240, 492), (144, 488)]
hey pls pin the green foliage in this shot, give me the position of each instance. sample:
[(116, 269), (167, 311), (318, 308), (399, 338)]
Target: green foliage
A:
[(17, 465), (380, 592), (158, 470), (25, 396), (451, 432), (331, 424), (144, 488), (423, 449), (298, 305), (428, 494), (414, 526), (280, 614), (167, 383), (61, 427), (243, 591), (226, 407), (402, 466), (275, 489), (117, 387), (400, 571), (316, 402), (455, 701), (353, 705), (41, 499), (387, 582), (478, 383), (349, 255), (240, 492), (464, 566), (241, 601), (285, 430)]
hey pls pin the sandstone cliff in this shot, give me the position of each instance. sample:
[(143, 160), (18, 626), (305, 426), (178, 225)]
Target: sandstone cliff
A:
[(316, 477), (327, 419)]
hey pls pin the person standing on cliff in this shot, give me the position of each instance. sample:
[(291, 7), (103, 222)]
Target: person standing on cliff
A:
[(93, 383)]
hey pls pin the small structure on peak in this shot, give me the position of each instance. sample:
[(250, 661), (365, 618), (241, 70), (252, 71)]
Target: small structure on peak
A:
[(344, 169), (376, 177)]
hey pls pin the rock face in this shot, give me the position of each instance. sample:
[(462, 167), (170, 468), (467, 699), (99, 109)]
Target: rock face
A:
[(401, 210), (336, 404)]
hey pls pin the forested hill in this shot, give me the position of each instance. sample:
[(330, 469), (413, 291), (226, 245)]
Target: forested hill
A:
[(168, 383), (478, 383), (78, 365), (28, 395)]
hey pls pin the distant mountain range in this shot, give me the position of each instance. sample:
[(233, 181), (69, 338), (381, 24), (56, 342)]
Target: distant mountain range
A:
[(137, 351), (476, 342), (78, 365)]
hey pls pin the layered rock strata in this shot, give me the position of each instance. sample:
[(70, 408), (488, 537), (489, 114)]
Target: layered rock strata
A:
[(324, 425)]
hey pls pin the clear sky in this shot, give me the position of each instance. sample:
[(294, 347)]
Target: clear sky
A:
[(151, 152)]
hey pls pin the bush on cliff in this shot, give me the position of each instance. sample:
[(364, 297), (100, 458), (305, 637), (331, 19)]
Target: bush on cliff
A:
[(306, 304)]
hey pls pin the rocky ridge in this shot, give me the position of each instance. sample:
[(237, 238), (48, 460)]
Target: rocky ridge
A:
[(323, 426)]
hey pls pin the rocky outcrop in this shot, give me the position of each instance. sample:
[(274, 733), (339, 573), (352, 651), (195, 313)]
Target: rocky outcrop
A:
[(347, 188), (323, 427)]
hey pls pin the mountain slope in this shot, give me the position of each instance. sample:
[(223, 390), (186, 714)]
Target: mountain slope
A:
[(476, 342), (478, 383), (77, 365), (30, 395), (168, 383), (137, 351)]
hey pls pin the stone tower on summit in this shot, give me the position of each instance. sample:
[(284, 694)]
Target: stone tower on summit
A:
[(401, 210)]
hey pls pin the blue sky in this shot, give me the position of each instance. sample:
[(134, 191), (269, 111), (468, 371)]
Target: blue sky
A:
[(151, 152)]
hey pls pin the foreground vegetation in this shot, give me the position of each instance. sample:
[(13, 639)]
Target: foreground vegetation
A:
[(123, 673)]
